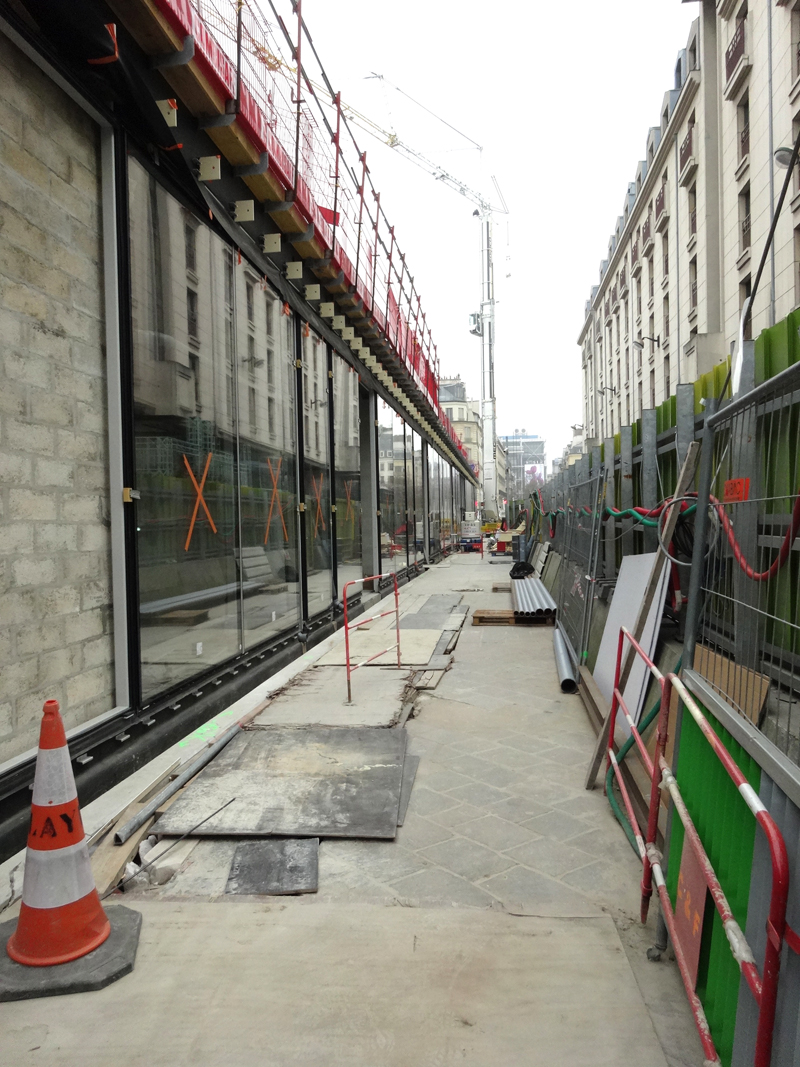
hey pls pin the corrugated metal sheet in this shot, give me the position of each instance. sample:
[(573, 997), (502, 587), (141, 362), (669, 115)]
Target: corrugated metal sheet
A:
[(786, 1043)]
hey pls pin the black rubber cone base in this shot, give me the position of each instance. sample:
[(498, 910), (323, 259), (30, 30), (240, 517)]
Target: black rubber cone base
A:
[(113, 959)]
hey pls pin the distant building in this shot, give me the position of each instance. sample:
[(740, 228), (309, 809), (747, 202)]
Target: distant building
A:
[(465, 415), (525, 462)]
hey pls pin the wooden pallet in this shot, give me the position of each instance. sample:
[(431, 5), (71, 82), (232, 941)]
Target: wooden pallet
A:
[(493, 617)]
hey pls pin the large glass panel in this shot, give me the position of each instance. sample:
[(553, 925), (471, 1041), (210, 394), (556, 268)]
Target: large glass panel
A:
[(317, 471), (434, 504), (419, 498), (390, 549), (268, 461), (400, 535), (184, 374), (348, 473), (447, 502)]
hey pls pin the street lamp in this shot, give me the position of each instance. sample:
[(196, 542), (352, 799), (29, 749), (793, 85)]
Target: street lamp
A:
[(656, 341)]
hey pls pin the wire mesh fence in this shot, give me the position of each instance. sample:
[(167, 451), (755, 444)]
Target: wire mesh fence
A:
[(581, 552), (749, 635)]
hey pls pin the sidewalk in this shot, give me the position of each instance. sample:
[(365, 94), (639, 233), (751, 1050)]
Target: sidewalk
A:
[(500, 927)]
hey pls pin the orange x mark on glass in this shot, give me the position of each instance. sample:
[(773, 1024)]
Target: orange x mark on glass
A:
[(348, 490), (199, 500), (318, 495), (274, 474)]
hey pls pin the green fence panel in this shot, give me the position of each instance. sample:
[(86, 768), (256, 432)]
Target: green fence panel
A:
[(727, 830)]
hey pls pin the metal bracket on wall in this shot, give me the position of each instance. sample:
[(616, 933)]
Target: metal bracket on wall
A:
[(175, 59)]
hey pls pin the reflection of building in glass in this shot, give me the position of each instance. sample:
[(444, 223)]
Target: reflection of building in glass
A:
[(525, 463)]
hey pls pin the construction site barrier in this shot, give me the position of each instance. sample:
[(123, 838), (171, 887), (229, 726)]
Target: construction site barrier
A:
[(763, 986), (363, 622)]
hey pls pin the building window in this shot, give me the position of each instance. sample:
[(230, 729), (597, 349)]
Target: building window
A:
[(744, 218), (666, 317), (693, 210), (191, 315), (743, 126), (652, 388), (651, 281), (693, 283), (251, 306), (251, 403), (270, 368), (651, 329), (665, 250), (271, 414), (639, 397), (190, 240), (270, 309), (251, 355), (638, 297), (667, 384)]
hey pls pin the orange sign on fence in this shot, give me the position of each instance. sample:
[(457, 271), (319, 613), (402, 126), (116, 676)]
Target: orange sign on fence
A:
[(737, 490)]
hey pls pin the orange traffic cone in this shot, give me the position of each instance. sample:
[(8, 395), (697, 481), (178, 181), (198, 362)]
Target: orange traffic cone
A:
[(61, 917)]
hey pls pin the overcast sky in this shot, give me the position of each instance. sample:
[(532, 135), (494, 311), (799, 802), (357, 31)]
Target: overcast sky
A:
[(560, 96)]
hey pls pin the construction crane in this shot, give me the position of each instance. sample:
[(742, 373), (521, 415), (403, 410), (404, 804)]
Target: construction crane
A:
[(482, 323)]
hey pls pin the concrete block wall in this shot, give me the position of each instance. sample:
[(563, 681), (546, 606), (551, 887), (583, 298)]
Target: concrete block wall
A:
[(55, 594)]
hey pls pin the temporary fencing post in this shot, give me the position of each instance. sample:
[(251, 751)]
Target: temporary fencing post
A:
[(362, 622), (764, 986)]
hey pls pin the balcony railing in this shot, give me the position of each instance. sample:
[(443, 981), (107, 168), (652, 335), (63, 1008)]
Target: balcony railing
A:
[(686, 149), (693, 221), (744, 141), (661, 200), (735, 50), (745, 232)]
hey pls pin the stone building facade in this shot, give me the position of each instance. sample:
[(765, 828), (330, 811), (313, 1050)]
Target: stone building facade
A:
[(55, 619), (686, 246)]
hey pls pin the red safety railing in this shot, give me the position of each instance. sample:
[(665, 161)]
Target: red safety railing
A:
[(764, 986), (363, 622)]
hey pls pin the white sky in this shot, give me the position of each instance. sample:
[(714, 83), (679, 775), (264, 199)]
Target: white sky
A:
[(561, 95)]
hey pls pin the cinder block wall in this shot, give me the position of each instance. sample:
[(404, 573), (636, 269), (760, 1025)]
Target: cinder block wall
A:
[(55, 596)]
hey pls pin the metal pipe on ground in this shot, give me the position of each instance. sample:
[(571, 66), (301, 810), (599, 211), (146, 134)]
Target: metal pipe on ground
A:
[(197, 764), (543, 596), (564, 667)]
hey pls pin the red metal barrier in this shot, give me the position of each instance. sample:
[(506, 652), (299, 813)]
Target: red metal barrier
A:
[(363, 622), (764, 987)]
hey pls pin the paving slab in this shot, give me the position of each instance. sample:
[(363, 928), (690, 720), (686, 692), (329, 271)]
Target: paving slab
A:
[(416, 648), (318, 697), (350, 986)]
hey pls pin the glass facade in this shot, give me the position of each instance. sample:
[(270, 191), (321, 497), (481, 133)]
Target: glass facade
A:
[(419, 497), (213, 403), (317, 471), (216, 420), (348, 473)]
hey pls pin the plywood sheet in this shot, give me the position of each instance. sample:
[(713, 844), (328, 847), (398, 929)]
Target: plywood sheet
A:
[(296, 782), (409, 774), (747, 689), (629, 593), (276, 866)]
